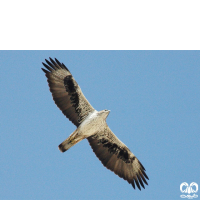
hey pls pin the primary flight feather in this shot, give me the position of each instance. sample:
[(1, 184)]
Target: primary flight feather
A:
[(91, 124)]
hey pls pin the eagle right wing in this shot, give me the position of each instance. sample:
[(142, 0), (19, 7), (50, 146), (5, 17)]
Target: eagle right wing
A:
[(116, 156)]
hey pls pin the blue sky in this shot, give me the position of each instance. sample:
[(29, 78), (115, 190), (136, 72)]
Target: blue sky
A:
[(154, 101)]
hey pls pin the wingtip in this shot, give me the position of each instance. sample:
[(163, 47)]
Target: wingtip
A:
[(44, 70), (143, 172), (51, 60), (133, 184)]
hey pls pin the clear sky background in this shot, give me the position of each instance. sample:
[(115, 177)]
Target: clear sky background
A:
[(154, 98)]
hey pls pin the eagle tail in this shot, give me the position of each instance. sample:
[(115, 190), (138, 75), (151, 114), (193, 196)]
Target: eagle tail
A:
[(73, 139)]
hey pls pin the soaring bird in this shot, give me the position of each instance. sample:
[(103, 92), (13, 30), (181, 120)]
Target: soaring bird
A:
[(91, 124)]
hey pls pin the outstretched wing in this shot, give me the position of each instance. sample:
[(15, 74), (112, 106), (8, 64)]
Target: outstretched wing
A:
[(66, 92), (118, 158)]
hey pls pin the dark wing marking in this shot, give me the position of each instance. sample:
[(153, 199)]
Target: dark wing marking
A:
[(118, 158), (66, 92)]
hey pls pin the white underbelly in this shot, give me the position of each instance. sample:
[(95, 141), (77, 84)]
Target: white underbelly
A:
[(91, 125)]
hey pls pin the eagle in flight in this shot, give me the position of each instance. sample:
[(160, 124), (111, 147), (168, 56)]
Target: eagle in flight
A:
[(91, 124)]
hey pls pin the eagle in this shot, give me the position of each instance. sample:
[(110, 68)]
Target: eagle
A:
[(91, 124)]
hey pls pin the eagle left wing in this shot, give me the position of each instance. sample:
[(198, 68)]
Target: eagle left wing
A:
[(66, 92), (116, 156)]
